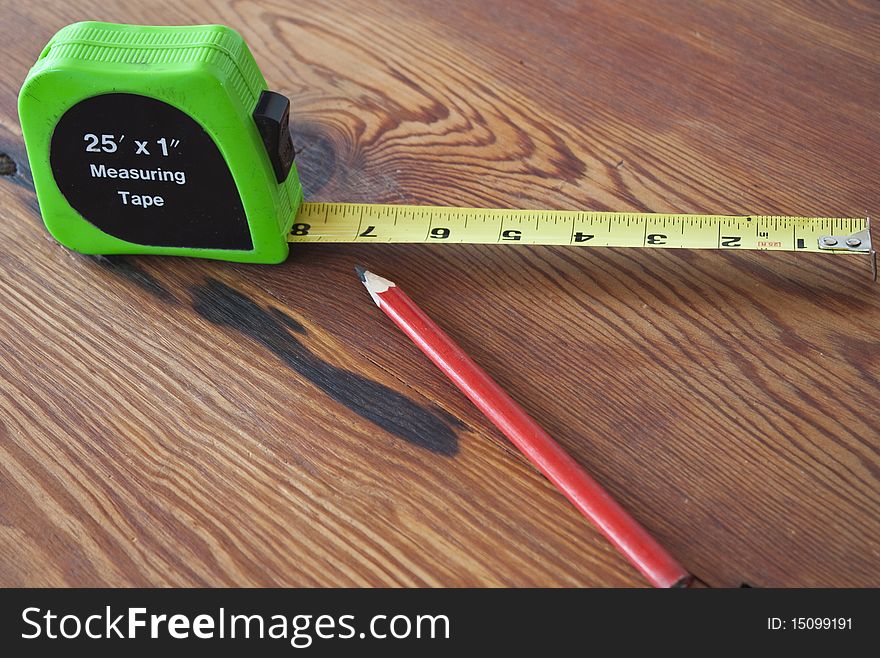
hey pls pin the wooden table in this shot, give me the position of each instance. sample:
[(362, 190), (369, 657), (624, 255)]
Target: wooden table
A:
[(183, 422)]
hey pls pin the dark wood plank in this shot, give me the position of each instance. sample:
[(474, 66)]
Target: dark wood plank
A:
[(173, 422)]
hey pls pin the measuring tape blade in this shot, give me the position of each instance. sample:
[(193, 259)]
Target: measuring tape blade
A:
[(359, 222)]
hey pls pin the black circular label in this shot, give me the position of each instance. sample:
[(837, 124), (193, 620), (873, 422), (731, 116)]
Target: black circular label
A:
[(143, 171)]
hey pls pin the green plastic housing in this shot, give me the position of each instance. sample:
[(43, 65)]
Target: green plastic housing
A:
[(206, 71)]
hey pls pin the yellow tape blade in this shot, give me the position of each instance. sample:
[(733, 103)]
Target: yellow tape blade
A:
[(358, 222)]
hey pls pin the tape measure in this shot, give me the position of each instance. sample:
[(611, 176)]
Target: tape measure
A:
[(167, 140), (362, 222)]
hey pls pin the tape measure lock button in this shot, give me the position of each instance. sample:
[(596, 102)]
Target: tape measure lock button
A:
[(272, 116)]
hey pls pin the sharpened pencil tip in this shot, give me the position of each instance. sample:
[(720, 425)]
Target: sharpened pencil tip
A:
[(374, 283)]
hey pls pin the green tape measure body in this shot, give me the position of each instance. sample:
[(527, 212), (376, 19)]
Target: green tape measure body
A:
[(144, 140), (166, 140)]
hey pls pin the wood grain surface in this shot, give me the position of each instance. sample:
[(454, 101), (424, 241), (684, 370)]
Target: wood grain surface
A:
[(182, 422)]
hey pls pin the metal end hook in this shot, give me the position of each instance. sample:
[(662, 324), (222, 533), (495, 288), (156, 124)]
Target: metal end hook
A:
[(873, 251), (858, 242)]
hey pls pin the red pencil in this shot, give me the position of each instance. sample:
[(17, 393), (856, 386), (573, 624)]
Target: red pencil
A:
[(630, 538)]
